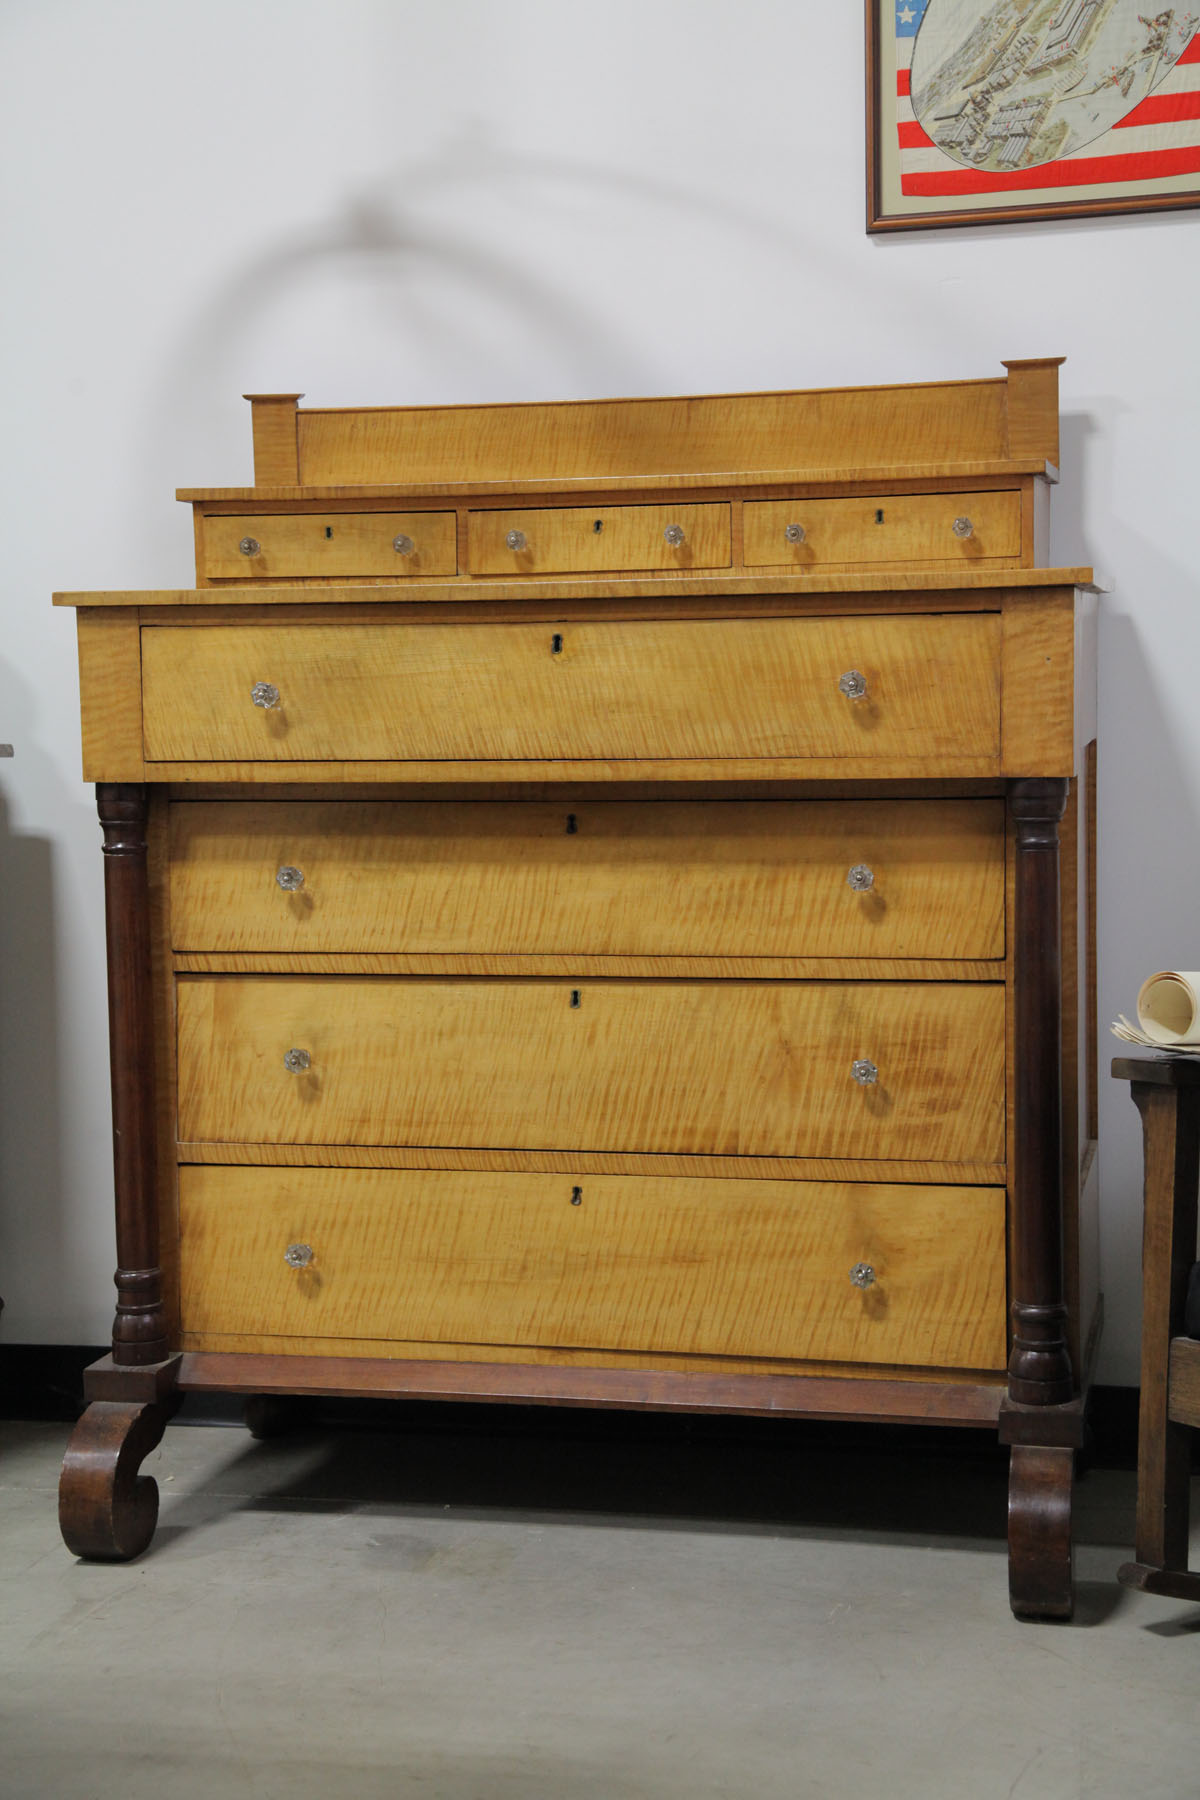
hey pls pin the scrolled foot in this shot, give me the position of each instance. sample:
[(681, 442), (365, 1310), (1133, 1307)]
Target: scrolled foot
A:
[(106, 1510), (1040, 1571)]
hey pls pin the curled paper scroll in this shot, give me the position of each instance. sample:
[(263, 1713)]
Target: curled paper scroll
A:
[(1168, 1011)]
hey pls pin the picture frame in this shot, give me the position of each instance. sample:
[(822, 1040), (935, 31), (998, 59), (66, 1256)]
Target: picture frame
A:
[(987, 112)]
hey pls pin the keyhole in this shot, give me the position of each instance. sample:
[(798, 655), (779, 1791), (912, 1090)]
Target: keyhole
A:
[(598, 525), (556, 644), (572, 825), (879, 515), (576, 1196), (329, 531), (574, 996)]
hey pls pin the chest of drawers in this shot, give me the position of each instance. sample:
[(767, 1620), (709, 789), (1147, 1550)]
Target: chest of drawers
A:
[(599, 907)]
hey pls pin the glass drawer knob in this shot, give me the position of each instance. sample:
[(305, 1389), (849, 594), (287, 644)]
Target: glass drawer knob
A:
[(862, 1275), (298, 1256), (249, 546), (861, 878), (296, 1061), (963, 527), (674, 535), (853, 684), (265, 693), (864, 1071), (402, 544), (290, 879), (516, 540), (794, 534)]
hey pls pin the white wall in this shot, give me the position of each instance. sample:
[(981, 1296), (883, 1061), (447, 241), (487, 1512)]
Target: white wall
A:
[(448, 200)]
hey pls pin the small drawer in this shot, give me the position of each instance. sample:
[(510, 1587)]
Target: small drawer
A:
[(890, 528), (579, 540), (902, 1070), (296, 546), (600, 1262), (912, 878), (864, 689)]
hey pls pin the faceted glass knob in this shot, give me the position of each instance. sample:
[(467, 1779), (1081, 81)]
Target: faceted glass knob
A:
[(794, 534), (864, 1071), (265, 693), (298, 1256), (963, 527), (861, 878), (290, 879), (674, 534), (296, 1061), (862, 1275), (249, 546), (402, 544), (516, 540), (853, 684)]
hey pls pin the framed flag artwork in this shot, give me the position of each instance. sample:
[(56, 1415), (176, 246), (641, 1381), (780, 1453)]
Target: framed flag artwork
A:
[(980, 111)]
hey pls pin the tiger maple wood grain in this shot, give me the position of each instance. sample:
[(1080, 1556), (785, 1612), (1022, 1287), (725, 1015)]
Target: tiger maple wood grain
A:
[(722, 1267), (656, 688), (892, 528), (732, 1068), (832, 428), (595, 538), (662, 878), (328, 545)]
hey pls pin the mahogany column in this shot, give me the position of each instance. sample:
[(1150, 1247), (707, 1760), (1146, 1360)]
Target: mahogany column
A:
[(139, 1329), (1039, 1367), (105, 1509), (1041, 1417)]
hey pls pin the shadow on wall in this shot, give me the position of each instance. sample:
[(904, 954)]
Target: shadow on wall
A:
[(453, 252), (33, 1247)]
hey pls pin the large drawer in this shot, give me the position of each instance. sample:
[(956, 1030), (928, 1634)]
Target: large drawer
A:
[(905, 878), (720, 1267), (892, 528), (290, 546), (576, 539), (723, 1068), (922, 687)]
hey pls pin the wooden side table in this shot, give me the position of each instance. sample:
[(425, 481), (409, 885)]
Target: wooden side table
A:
[(1166, 1091)]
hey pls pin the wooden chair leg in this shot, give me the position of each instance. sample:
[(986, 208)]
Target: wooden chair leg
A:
[(1170, 1109)]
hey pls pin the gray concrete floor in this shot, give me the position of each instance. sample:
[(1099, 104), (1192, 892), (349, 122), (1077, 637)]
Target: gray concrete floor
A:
[(514, 1616)]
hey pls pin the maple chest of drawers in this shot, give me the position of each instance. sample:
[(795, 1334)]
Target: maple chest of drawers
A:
[(598, 913)]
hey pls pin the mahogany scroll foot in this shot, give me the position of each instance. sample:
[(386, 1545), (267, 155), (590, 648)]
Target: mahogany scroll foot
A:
[(1040, 1572), (106, 1510)]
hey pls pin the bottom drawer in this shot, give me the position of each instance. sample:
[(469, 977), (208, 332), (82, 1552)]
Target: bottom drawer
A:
[(602, 1262)]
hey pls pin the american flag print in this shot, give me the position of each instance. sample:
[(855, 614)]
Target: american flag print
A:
[(1021, 98)]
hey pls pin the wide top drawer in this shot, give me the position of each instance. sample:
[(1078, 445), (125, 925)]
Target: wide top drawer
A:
[(911, 690)]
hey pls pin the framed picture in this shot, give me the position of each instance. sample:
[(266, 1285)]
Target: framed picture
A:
[(980, 111)]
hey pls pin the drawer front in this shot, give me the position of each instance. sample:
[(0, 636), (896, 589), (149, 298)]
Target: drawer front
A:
[(652, 689), (893, 528), (734, 878), (722, 1068), (716, 1267), (579, 539), (294, 545)]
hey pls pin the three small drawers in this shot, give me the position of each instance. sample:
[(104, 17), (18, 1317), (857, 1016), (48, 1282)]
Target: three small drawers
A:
[(796, 534)]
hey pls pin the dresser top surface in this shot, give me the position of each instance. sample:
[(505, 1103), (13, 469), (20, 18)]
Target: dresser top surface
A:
[(661, 588)]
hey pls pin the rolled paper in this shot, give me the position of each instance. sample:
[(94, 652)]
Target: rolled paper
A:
[(1168, 1007)]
